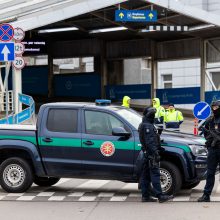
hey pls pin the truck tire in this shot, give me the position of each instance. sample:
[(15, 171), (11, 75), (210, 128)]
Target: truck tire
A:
[(170, 177), (16, 175), (45, 181), (190, 185)]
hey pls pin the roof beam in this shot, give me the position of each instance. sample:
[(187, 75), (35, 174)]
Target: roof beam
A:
[(112, 22), (193, 12), (65, 10)]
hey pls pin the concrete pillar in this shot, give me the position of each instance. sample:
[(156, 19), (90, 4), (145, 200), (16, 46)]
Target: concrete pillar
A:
[(154, 73), (202, 67), (50, 73)]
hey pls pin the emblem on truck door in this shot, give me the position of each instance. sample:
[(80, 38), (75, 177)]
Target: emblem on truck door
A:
[(107, 149)]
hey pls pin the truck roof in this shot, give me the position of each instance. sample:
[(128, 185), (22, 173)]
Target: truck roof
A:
[(80, 105)]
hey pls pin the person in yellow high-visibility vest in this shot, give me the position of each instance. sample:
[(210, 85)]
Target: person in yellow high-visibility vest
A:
[(173, 118), (159, 116), (126, 101)]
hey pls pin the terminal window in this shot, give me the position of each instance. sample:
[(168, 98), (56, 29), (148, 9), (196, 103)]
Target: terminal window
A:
[(167, 81), (73, 65)]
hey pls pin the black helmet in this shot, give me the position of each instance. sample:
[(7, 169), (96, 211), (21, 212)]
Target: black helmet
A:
[(216, 103), (216, 112), (149, 112)]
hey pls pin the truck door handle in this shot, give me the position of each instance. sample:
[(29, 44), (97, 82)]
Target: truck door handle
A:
[(88, 143), (48, 140)]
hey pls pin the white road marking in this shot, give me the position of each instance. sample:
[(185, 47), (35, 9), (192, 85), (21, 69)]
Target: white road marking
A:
[(181, 199), (45, 194), (130, 186), (105, 194), (77, 194), (56, 198), (63, 180), (92, 184), (118, 198), (87, 198), (2, 197), (15, 194), (134, 195), (26, 198)]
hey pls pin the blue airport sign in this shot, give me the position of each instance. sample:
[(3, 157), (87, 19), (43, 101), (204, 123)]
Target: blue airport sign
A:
[(7, 51), (211, 96), (189, 95), (136, 15), (202, 110)]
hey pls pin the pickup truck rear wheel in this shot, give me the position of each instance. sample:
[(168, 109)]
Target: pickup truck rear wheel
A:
[(45, 181), (15, 175)]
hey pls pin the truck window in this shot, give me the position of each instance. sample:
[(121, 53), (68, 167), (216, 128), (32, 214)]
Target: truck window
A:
[(62, 120), (100, 123)]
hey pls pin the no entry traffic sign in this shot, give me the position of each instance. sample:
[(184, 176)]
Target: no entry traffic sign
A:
[(6, 32)]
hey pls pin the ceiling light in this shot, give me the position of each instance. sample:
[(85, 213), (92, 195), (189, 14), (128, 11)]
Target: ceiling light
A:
[(200, 27), (107, 30), (58, 30)]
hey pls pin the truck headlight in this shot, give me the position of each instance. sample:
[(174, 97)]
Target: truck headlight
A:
[(198, 150)]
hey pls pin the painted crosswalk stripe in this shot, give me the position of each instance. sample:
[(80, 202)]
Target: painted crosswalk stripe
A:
[(25, 198), (63, 180), (77, 194), (56, 198), (134, 195), (2, 197), (181, 199), (15, 194), (105, 194), (118, 198), (45, 194), (130, 187), (87, 198), (92, 184)]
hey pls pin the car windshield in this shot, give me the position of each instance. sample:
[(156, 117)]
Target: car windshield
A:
[(131, 116)]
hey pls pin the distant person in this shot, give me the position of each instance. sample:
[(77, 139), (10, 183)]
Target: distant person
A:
[(159, 116), (126, 101), (173, 118)]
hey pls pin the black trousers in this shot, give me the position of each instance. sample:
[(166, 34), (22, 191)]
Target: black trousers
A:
[(213, 161), (150, 175)]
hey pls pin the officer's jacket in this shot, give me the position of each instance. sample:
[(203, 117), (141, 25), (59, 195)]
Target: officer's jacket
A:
[(149, 138), (212, 124), (160, 111), (173, 118)]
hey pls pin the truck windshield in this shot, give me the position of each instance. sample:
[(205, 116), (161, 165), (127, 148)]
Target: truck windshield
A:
[(131, 116)]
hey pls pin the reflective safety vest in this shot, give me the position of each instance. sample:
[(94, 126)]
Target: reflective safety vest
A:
[(160, 112), (173, 116)]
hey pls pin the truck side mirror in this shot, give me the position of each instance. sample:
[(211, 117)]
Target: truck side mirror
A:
[(120, 131)]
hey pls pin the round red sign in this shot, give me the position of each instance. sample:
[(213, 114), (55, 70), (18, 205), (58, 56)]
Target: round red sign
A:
[(107, 149)]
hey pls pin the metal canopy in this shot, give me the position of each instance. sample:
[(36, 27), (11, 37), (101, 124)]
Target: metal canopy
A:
[(88, 15)]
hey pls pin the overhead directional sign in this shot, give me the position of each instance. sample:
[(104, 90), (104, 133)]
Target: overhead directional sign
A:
[(6, 32), (7, 51), (202, 110), (136, 15)]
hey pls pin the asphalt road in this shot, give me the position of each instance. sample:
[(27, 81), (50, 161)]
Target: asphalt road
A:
[(110, 211)]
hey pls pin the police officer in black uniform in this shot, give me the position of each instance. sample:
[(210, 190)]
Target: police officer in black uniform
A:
[(150, 141), (212, 136)]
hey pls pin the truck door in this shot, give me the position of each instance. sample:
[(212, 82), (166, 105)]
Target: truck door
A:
[(60, 141), (104, 154)]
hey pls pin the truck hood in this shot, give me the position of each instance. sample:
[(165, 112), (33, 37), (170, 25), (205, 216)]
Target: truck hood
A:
[(183, 138)]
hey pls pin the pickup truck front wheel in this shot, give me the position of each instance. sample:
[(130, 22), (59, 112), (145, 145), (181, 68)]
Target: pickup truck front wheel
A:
[(45, 181), (15, 175)]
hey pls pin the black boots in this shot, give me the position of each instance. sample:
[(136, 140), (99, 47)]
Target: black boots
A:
[(164, 198), (204, 198), (148, 199)]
